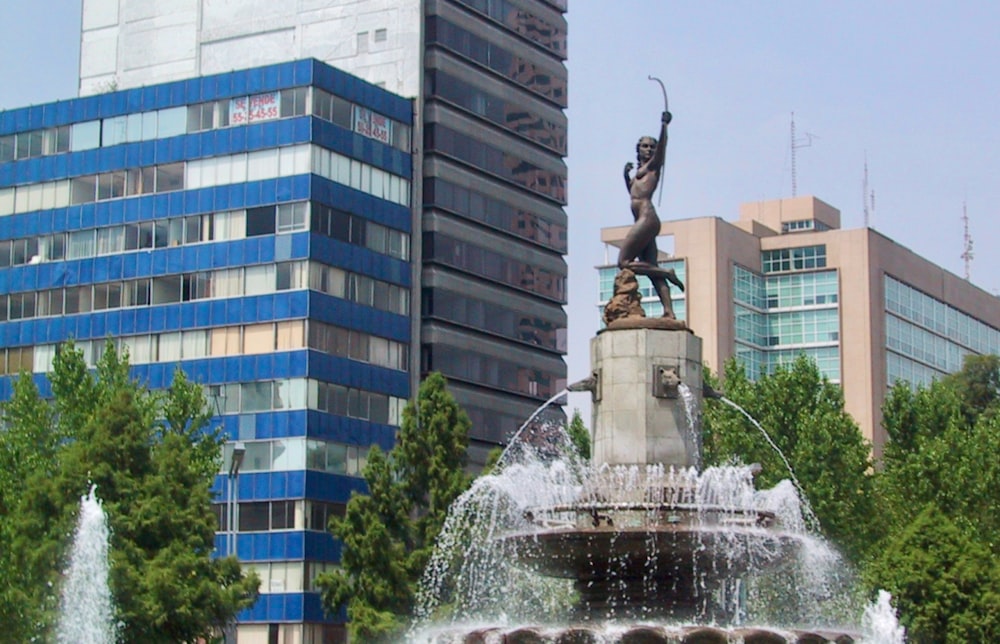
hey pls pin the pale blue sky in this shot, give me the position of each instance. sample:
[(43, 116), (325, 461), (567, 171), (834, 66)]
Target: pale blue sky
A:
[(914, 84)]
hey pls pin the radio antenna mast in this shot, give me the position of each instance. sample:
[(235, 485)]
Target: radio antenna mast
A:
[(967, 253), (867, 197), (795, 145)]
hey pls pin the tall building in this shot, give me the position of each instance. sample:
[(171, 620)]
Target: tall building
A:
[(253, 227), (785, 279), (489, 79)]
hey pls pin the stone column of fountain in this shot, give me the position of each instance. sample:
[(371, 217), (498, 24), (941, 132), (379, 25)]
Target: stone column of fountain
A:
[(639, 417)]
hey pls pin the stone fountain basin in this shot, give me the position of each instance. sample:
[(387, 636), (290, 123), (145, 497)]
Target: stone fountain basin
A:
[(597, 541)]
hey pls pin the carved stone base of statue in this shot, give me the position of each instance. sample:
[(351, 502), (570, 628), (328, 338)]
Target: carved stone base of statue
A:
[(624, 309)]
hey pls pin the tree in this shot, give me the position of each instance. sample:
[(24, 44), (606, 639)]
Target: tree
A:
[(943, 455), (152, 460), (388, 534), (935, 456), (945, 585), (579, 435), (803, 414)]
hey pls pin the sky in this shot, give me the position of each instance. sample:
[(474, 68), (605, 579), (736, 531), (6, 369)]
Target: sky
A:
[(913, 87)]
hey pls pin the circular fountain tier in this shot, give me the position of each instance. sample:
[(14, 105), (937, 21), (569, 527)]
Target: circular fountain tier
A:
[(644, 559), (640, 634)]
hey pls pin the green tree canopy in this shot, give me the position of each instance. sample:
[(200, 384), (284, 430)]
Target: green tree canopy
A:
[(803, 414), (939, 454), (943, 455), (153, 460), (945, 585), (388, 534)]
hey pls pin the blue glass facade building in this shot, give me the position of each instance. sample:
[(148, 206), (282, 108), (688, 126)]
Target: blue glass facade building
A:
[(253, 227)]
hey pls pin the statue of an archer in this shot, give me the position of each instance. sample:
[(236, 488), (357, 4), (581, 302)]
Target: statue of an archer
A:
[(638, 252)]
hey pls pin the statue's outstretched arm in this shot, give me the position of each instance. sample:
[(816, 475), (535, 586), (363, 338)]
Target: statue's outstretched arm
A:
[(661, 143)]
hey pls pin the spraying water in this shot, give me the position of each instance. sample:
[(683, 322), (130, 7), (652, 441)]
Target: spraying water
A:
[(549, 547), (807, 509), (880, 623), (87, 612), (515, 440)]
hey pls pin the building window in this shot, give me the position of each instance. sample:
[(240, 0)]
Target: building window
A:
[(794, 259)]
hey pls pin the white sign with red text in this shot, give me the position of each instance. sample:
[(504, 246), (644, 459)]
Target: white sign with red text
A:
[(373, 125), (259, 107)]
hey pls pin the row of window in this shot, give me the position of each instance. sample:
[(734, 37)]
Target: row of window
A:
[(494, 212), (496, 318), (785, 291), (290, 577), (806, 289), (194, 229), (489, 370), (152, 291), (793, 259), (174, 121), (301, 393), (299, 453), (203, 173), (358, 345), (264, 516), (777, 329), (803, 327), (493, 265), (549, 35), (360, 119), (757, 361), (259, 279), (827, 359), (235, 398), (548, 81), (493, 425), (161, 233), (910, 371), (918, 343), (237, 340), (800, 225), (931, 313), (513, 116), (496, 161), (355, 229)]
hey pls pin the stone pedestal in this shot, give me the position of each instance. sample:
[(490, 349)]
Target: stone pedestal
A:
[(639, 415)]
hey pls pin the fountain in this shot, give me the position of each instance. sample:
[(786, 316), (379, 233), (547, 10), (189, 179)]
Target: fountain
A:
[(641, 544), (86, 611)]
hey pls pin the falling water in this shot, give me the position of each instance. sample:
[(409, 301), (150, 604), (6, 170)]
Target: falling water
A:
[(86, 612), (516, 439), (810, 515), (693, 418)]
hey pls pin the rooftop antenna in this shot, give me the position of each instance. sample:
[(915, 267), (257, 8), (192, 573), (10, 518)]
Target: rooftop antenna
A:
[(967, 254), (795, 145), (867, 196)]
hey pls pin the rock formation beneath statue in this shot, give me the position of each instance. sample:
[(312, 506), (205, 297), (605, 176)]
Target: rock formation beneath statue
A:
[(624, 309)]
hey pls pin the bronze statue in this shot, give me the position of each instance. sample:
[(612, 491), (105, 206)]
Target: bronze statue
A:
[(638, 252)]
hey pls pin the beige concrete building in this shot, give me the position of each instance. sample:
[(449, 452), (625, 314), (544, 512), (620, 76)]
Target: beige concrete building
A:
[(785, 279)]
